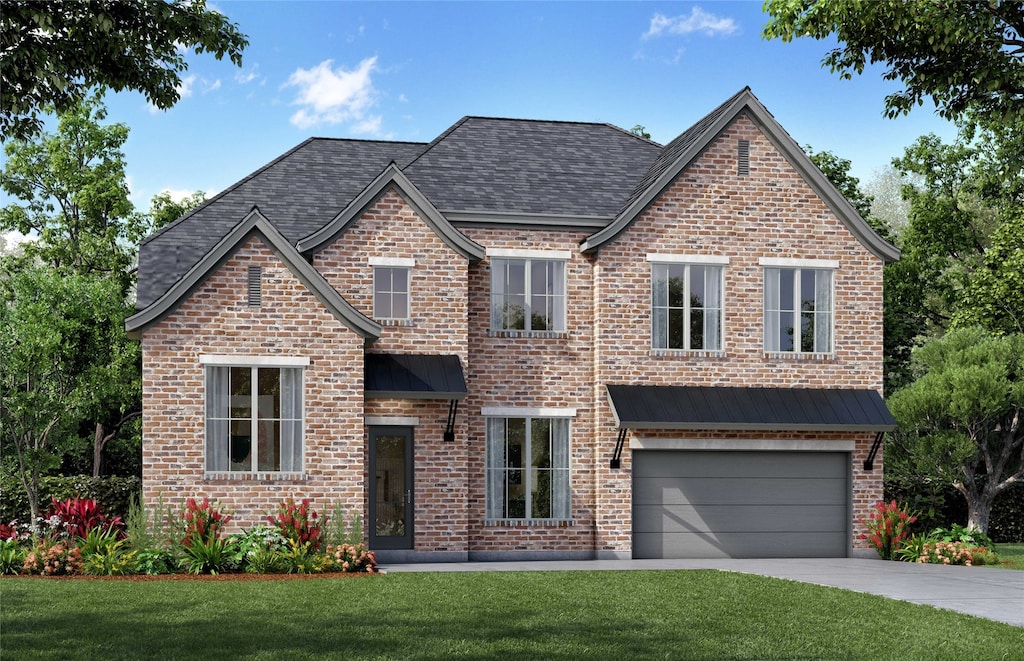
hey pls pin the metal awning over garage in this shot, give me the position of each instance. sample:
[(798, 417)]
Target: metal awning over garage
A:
[(714, 407), (413, 376), (736, 408)]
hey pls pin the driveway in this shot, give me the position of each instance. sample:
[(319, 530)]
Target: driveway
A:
[(995, 594)]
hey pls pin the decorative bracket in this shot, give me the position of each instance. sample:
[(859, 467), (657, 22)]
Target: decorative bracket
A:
[(449, 430), (869, 463), (620, 442)]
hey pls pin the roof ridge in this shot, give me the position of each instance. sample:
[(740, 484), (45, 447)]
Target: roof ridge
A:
[(433, 143), (382, 142)]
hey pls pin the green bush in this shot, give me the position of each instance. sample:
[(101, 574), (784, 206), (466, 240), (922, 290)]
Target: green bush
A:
[(113, 494), (1007, 523), (944, 506)]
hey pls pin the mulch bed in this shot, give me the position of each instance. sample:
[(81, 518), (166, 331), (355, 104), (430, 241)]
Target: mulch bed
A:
[(204, 578)]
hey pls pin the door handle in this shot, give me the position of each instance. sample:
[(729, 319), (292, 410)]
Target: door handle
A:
[(408, 496)]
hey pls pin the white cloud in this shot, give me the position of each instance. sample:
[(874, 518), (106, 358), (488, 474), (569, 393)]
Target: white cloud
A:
[(215, 85), (184, 89), (333, 96), (369, 125), (698, 21), (244, 77)]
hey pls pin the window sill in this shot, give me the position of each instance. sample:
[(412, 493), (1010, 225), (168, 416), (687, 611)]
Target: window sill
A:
[(799, 356), (687, 353), (530, 523), (554, 335), (265, 476), (395, 322)]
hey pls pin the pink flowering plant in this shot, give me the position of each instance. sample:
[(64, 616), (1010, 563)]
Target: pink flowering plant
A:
[(888, 528), (299, 523), (203, 522), (350, 558), (51, 558)]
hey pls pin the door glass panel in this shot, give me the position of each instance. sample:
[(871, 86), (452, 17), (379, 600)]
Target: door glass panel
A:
[(391, 487)]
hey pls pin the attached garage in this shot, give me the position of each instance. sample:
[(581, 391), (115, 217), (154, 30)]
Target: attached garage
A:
[(735, 495), (700, 504)]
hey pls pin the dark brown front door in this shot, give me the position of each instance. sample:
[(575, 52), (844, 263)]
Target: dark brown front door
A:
[(391, 488)]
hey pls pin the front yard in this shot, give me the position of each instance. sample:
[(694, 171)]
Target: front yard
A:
[(533, 615)]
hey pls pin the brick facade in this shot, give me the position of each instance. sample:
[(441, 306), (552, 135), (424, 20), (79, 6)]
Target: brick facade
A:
[(708, 210)]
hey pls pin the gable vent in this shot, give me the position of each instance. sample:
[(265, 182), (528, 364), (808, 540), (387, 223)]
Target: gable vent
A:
[(743, 167), (255, 286)]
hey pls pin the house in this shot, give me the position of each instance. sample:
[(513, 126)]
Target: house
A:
[(527, 340)]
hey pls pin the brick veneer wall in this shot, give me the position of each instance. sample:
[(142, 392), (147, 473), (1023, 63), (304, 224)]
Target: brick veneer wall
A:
[(711, 210), (548, 372), (216, 319)]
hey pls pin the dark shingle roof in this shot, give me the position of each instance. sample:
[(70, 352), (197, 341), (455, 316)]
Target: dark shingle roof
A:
[(532, 167), (299, 192)]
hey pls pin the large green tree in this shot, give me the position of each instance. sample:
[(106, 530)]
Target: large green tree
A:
[(961, 423), (71, 195), (56, 347), (52, 52), (962, 54)]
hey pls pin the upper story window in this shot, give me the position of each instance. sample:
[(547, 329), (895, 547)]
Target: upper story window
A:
[(798, 305), (391, 288), (254, 414), (528, 290), (528, 468), (686, 302)]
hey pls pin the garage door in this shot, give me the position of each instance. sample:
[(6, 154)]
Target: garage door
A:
[(689, 504)]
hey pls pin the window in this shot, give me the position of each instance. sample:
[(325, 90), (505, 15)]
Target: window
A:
[(391, 292), (798, 310), (528, 294), (528, 468), (253, 418), (686, 306)]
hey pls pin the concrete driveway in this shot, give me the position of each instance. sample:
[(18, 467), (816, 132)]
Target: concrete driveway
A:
[(995, 594)]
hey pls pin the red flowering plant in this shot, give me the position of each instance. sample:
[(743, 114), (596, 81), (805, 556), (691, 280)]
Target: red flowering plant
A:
[(203, 522), (298, 523), (888, 528), (77, 516)]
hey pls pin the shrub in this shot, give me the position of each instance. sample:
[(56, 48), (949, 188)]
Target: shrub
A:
[(112, 559), (207, 556), (300, 559), (337, 532), (80, 515), (114, 492), (888, 527), (1006, 524), (51, 558), (203, 522), (260, 543), (154, 561), (155, 529), (959, 533), (12, 557), (298, 523), (947, 553), (350, 558)]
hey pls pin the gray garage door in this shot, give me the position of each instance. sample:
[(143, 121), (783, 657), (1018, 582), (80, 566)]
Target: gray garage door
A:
[(689, 504)]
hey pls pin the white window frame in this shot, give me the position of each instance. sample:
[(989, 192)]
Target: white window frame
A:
[(497, 471), (393, 265), (500, 259), (772, 321), (659, 261), (218, 418)]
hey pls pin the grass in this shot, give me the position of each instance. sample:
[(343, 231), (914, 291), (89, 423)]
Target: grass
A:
[(534, 615), (1010, 553)]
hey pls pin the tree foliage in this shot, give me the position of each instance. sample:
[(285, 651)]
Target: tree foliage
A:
[(52, 52), (164, 210), (72, 195), (966, 54), (55, 340), (962, 420)]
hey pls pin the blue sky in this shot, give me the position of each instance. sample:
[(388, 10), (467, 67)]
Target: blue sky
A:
[(407, 71)]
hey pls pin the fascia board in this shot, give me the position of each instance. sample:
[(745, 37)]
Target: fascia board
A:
[(254, 224), (391, 176)]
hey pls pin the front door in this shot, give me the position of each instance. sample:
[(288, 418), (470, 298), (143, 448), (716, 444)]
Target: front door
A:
[(391, 488)]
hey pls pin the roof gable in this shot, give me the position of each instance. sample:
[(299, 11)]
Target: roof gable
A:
[(682, 151), (393, 178), (254, 224)]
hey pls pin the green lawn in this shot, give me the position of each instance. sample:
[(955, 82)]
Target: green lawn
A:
[(532, 615), (1010, 553)]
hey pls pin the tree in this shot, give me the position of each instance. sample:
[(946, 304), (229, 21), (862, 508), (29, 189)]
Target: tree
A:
[(962, 421), (962, 55), (52, 53), (72, 194), (164, 210), (640, 131), (52, 329)]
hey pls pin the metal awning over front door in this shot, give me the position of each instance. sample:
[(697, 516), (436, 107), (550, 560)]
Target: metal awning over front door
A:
[(413, 376)]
